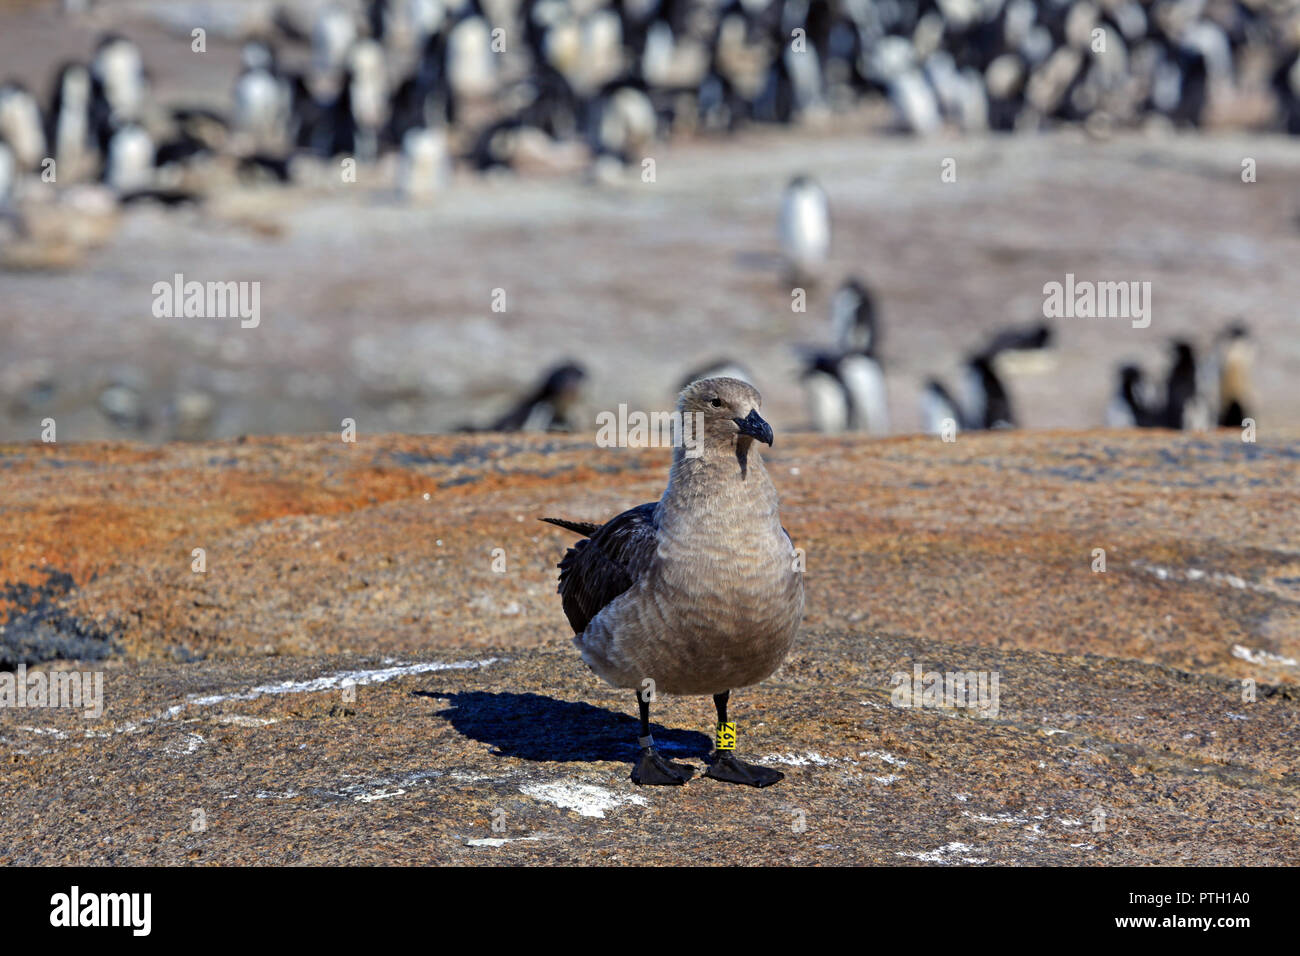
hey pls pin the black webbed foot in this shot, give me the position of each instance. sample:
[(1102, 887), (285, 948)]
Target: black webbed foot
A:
[(653, 770), (726, 767)]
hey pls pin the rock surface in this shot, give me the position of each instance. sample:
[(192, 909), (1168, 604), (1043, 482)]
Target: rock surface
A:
[(351, 681)]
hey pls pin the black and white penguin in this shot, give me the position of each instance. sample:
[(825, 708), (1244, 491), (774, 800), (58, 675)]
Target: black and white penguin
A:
[(426, 163), (129, 164), (201, 124), (719, 106), (1235, 360), (775, 101), (263, 102), (986, 401), (1004, 82), (742, 63), (500, 144), (367, 97), (123, 404), (859, 392), (1180, 84), (853, 317), (825, 394), (960, 92), (624, 123), (404, 26), (552, 105), (915, 103), (182, 159), (179, 151), (583, 42), (347, 113), (674, 53), (550, 407), (845, 389), (939, 410), (864, 381), (332, 35), (416, 104), (803, 66), (21, 126), (259, 54), (805, 229), (69, 130), (424, 98), (981, 403), (1133, 405), (121, 86), (471, 66), (1193, 87), (1183, 407), (8, 175), (1286, 87)]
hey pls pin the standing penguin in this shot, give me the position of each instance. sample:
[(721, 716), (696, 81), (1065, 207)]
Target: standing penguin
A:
[(70, 125), (624, 123), (262, 102), (1236, 391), (987, 403), (21, 126), (864, 383), (332, 36), (367, 97), (121, 86), (1132, 407), (853, 317), (824, 392), (130, 163), (404, 26), (1184, 405), (805, 229), (8, 174), (939, 410), (426, 163), (471, 63), (845, 389)]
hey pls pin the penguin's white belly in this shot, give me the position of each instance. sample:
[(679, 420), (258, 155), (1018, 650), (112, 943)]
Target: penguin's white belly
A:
[(1119, 414), (826, 406), (805, 231), (865, 383), (936, 413)]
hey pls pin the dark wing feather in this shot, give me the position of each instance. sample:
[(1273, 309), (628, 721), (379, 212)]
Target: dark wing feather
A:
[(601, 567), (584, 528)]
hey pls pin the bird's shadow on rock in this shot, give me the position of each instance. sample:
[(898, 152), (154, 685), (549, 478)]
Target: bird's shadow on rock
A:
[(535, 727)]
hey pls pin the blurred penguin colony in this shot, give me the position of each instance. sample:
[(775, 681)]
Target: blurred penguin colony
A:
[(844, 381), (425, 86), (509, 83)]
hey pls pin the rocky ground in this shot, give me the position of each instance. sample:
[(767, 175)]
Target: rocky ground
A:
[(351, 681)]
